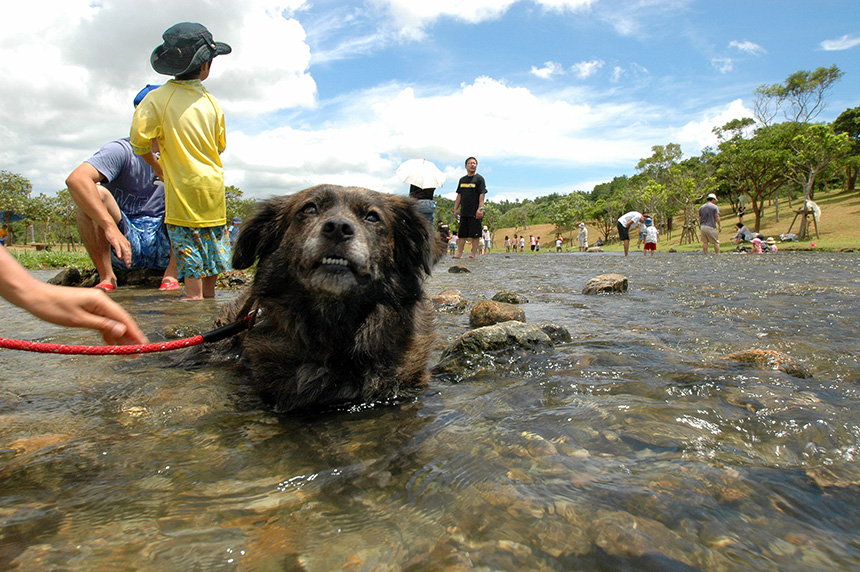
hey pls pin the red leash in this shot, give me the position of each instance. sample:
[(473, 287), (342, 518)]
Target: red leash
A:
[(213, 336)]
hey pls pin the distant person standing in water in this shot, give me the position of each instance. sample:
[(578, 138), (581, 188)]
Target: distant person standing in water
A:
[(469, 204)]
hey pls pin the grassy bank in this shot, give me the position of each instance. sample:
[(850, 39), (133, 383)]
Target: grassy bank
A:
[(34, 259), (837, 228)]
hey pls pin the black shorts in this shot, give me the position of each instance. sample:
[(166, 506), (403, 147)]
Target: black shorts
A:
[(622, 232), (470, 227)]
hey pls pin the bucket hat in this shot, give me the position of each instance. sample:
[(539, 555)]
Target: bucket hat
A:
[(186, 47), (770, 241)]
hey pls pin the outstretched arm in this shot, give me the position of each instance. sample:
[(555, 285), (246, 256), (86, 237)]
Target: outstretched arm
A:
[(67, 306)]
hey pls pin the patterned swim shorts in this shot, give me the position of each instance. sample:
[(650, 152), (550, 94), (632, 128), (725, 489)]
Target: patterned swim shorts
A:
[(150, 245), (200, 252)]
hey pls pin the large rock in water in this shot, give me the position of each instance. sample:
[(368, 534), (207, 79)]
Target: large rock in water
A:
[(770, 359), (479, 346), (488, 312), (606, 284)]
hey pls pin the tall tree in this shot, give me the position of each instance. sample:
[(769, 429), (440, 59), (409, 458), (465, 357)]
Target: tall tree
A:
[(848, 122), (237, 206), (800, 96), (568, 210), (814, 148), (14, 195), (755, 165)]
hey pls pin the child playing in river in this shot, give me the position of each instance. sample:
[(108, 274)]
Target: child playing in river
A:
[(188, 124), (651, 233)]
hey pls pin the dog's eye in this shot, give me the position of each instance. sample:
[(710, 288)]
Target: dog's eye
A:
[(372, 217), (309, 209)]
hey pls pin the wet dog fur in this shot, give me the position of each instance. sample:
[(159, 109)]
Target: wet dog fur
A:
[(341, 314)]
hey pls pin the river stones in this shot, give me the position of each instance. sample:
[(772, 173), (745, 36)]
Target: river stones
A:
[(459, 270), (468, 350), (490, 312), (606, 284), (88, 277), (71, 276), (510, 297), (770, 359), (449, 301)]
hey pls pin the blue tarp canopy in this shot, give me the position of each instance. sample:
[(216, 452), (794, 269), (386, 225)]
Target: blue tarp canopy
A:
[(9, 216)]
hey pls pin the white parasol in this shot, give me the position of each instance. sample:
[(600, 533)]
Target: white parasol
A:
[(421, 173)]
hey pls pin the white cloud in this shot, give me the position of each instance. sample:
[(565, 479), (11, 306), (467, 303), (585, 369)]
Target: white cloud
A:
[(696, 135), (413, 17), (724, 65), (846, 42), (548, 70), (71, 68), (586, 69), (748, 47), (384, 126)]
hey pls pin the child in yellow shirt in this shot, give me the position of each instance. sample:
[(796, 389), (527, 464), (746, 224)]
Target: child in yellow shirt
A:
[(188, 125)]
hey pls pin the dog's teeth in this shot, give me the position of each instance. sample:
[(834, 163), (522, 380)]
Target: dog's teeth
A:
[(335, 261)]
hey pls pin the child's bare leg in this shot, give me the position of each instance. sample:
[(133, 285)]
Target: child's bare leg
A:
[(209, 286), (193, 289)]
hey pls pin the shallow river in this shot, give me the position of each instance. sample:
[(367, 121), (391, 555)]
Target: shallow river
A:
[(635, 447)]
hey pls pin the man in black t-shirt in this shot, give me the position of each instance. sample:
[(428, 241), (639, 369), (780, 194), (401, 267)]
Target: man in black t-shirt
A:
[(469, 205)]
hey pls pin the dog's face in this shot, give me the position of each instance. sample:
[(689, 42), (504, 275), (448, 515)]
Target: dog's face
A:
[(335, 242)]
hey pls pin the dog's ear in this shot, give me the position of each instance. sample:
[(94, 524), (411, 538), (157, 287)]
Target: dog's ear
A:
[(261, 234), (413, 237)]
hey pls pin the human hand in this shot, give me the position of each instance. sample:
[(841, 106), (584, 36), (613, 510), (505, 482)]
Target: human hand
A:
[(83, 308), (120, 244), (479, 213)]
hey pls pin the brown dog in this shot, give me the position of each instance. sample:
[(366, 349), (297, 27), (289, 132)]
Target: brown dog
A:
[(342, 316)]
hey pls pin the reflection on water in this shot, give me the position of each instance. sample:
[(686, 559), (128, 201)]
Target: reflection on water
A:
[(635, 447)]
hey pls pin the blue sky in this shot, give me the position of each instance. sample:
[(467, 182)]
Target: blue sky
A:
[(550, 95)]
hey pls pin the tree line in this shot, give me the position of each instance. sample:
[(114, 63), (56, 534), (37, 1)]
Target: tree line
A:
[(756, 161), (51, 220)]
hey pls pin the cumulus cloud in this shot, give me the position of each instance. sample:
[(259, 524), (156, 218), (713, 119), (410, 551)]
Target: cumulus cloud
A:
[(384, 126), (548, 70), (695, 135), (583, 70), (846, 42), (748, 47), (71, 68)]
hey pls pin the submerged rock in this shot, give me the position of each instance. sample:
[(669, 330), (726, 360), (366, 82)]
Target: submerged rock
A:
[(484, 343), (449, 301), (488, 312), (606, 283), (88, 277), (69, 277), (510, 297), (770, 359), (459, 270)]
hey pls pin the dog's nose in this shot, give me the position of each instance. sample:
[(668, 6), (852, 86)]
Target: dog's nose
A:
[(338, 229)]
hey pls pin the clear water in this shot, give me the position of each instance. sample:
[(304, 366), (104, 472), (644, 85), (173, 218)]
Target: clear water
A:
[(635, 447)]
